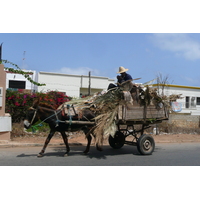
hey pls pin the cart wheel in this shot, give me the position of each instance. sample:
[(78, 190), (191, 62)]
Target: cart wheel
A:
[(118, 141), (145, 144)]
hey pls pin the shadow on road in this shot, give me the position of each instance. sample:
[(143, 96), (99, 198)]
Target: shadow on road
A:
[(50, 154), (59, 151)]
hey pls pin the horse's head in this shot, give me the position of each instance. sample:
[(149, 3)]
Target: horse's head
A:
[(31, 115)]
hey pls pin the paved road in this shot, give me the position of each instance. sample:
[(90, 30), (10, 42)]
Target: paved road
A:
[(184, 154)]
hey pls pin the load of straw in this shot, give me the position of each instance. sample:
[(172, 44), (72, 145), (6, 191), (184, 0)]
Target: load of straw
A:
[(104, 106), (106, 109)]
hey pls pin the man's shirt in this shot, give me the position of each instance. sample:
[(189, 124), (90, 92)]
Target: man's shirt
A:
[(126, 78)]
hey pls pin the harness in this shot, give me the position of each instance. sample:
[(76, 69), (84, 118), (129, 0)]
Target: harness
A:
[(35, 127), (69, 113), (35, 112)]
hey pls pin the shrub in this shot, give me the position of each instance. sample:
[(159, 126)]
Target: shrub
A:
[(17, 102)]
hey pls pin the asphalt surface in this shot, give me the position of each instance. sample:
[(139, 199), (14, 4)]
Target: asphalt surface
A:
[(182, 154)]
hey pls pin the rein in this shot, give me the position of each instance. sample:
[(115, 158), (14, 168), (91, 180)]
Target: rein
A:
[(35, 127)]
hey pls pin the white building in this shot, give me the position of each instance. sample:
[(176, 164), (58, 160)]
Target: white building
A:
[(72, 85), (190, 101), (18, 81)]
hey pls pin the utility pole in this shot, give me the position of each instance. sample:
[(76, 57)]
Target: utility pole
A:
[(1, 52), (89, 87)]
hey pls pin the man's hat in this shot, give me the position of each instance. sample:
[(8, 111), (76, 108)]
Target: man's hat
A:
[(122, 70)]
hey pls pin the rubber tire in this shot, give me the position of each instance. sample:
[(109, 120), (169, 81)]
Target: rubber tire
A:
[(118, 141), (145, 144)]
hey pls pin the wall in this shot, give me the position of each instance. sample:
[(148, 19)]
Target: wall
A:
[(185, 91), (5, 119), (60, 82), (19, 77), (72, 85), (185, 121), (2, 84), (180, 123)]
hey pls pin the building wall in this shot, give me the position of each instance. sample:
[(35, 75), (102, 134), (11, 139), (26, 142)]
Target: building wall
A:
[(191, 92), (185, 121), (18, 77), (72, 85), (5, 119), (180, 123), (59, 82)]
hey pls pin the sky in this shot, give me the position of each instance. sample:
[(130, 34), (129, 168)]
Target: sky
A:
[(146, 55)]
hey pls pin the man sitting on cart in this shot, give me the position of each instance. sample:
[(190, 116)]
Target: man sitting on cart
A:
[(121, 78)]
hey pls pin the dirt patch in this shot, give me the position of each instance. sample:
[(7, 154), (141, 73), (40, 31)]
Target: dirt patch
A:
[(81, 140), (177, 138)]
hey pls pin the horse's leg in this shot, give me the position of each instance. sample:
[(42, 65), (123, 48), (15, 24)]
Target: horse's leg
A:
[(98, 147), (65, 139), (46, 143), (89, 139)]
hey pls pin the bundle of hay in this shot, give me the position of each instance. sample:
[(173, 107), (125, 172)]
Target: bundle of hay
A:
[(174, 97), (167, 100), (106, 108)]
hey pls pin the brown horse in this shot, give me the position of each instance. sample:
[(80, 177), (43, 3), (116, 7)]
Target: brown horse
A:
[(57, 122)]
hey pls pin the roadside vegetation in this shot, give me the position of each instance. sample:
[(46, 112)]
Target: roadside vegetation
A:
[(18, 102)]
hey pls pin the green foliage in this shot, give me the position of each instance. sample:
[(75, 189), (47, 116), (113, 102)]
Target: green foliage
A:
[(19, 71), (17, 102)]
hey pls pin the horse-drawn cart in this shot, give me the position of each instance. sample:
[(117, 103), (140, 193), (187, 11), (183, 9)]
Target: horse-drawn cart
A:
[(115, 114), (122, 115), (143, 118)]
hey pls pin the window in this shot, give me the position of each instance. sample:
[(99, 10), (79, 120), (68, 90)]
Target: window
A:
[(193, 102), (187, 102), (17, 84), (198, 101)]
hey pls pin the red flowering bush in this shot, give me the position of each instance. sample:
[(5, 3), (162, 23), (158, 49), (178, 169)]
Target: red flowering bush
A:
[(54, 98), (17, 102)]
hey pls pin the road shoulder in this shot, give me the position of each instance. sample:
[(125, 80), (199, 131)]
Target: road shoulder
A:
[(79, 139)]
